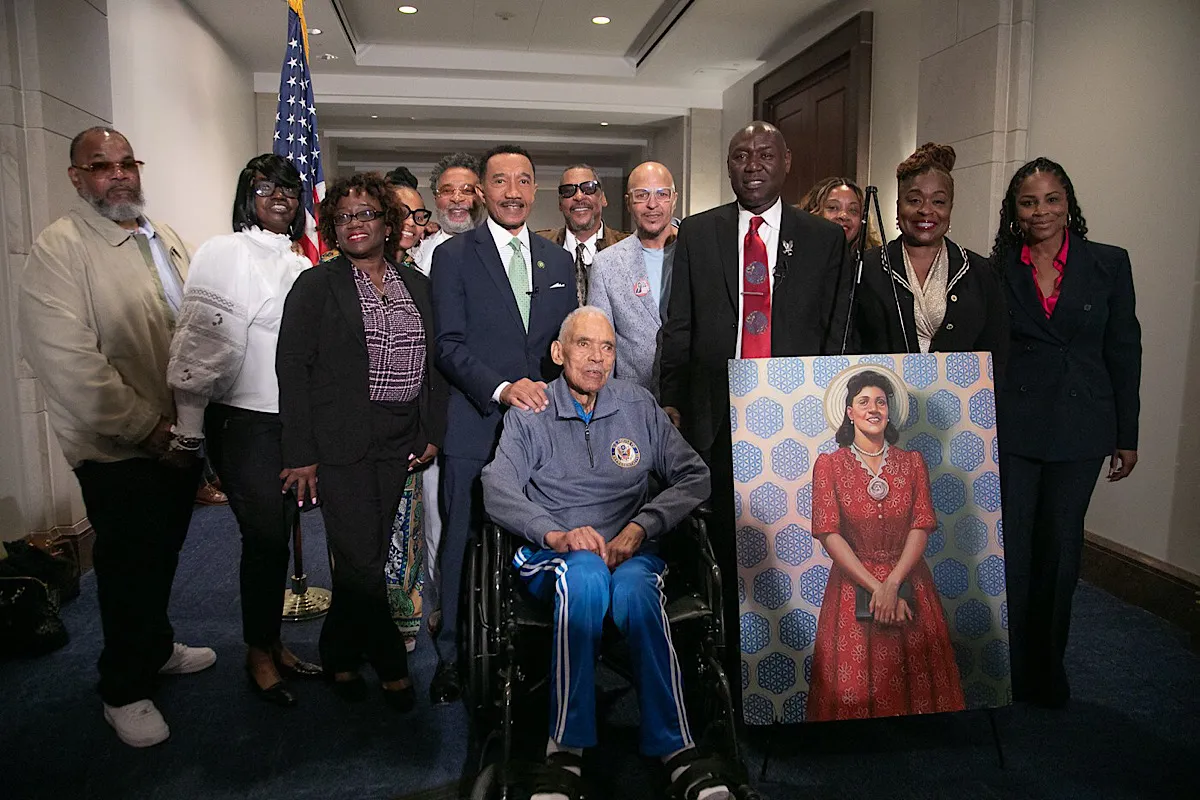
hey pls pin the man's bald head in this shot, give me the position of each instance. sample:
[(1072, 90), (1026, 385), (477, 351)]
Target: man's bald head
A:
[(651, 198), (758, 161)]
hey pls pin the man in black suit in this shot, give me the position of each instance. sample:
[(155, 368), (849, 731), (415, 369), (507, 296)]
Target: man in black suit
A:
[(753, 278), (500, 293)]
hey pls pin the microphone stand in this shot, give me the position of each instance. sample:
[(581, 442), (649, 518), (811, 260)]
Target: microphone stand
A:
[(887, 266), (861, 245)]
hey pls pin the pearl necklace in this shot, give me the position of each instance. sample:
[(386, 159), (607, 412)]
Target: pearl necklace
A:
[(865, 454), (877, 487)]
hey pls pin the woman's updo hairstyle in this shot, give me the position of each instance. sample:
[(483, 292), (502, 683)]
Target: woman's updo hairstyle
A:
[(930, 156)]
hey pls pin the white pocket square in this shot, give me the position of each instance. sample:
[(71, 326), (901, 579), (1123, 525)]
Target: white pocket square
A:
[(558, 286)]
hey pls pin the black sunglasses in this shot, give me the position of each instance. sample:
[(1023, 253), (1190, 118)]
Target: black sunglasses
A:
[(267, 188), (566, 190)]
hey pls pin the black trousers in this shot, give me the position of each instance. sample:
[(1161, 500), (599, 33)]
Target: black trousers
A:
[(246, 453), (461, 499), (140, 512), (1045, 503), (359, 502)]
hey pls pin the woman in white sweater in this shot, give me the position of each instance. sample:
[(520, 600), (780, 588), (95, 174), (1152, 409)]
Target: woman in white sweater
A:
[(222, 370)]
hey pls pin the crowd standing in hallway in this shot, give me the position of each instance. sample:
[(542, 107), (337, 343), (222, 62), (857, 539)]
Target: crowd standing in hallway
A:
[(398, 360)]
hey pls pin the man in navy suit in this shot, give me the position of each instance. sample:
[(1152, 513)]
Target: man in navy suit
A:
[(500, 293)]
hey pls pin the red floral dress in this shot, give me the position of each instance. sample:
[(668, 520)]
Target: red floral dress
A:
[(860, 668)]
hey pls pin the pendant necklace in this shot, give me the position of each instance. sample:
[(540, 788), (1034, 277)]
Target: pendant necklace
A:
[(877, 487)]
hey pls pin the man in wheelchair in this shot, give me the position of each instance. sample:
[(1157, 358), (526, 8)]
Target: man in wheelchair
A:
[(574, 480)]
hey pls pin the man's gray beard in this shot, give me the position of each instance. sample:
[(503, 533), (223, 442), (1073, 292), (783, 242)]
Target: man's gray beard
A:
[(454, 228), (118, 212)]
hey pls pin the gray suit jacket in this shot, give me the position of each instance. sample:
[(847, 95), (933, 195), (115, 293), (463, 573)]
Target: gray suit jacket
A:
[(613, 287)]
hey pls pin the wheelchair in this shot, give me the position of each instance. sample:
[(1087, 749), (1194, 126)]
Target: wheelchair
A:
[(508, 639)]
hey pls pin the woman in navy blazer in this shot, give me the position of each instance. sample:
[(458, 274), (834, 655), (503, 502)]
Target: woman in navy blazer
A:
[(1070, 399)]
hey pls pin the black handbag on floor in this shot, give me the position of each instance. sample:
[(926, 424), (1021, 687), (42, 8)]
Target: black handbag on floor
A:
[(29, 621)]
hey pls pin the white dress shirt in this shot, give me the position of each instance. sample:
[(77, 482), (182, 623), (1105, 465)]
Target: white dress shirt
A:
[(424, 257), (589, 245), (503, 237), (769, 233)]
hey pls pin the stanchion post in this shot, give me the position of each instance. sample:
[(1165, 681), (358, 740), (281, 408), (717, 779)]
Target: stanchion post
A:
[(302, 601)]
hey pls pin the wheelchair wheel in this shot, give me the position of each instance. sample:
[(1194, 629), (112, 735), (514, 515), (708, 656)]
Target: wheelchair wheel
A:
[(487, 784), (478, 679)]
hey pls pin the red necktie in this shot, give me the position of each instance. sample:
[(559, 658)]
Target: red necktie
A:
[(756, 295)]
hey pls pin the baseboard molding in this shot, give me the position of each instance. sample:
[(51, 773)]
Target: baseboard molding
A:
[(1160, 588), (72, 542)]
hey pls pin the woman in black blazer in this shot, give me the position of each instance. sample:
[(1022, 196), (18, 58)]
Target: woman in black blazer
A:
[(1070, 399), (361, 405), (923, 292)]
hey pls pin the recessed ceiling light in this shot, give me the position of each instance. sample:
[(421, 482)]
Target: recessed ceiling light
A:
[(374, 116), (407, 9), (604, 124), (328, 57), (314, 31), (601, 20)]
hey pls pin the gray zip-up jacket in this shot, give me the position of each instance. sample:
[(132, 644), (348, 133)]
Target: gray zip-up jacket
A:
[(553, 472)]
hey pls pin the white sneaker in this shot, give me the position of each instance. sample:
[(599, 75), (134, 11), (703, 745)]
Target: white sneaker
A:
[(137, 724), (185, 660)]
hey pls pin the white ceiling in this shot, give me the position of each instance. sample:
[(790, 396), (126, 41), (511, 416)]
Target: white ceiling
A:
[(536, 71)]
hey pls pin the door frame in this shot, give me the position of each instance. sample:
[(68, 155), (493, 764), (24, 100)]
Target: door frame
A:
[(851, 44)]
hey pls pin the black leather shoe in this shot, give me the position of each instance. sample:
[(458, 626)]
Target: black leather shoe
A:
[(402, 700), (445, 688), (276, 694), (301, 669), (353, 690)]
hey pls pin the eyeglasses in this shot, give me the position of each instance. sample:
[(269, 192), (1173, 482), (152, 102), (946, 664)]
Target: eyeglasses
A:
[(661, 193), (366, 215), (267, 189), (420, 216), (569, 189), (107, 168), (466, 190)]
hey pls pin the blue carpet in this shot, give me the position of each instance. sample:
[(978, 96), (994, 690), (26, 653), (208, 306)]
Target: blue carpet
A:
[(1133, 730)]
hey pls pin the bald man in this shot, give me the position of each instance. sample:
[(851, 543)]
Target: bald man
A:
[(751, 279), (631, 280)]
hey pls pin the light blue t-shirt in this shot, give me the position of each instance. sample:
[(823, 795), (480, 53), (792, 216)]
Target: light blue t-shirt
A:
[(654, 270)]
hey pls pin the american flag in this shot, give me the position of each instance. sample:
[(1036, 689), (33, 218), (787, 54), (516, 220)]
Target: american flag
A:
[(296, 125)]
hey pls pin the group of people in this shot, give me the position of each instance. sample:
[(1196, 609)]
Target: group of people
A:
[(548, 380)]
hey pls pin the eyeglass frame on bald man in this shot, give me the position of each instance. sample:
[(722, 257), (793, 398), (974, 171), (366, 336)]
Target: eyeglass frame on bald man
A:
[(645, 191), (105, 168)]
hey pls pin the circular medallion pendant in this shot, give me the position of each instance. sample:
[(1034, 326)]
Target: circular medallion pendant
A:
[(756, 322), (756, 272), (878, 488)]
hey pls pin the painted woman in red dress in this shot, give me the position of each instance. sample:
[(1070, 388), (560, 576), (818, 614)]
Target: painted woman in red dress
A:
[(873, 512)]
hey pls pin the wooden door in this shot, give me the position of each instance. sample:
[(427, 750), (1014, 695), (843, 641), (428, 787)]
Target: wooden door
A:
[(821, 101)]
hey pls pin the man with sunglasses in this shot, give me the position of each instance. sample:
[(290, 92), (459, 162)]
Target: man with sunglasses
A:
[(97, 306), (631, 281), (582, 202)]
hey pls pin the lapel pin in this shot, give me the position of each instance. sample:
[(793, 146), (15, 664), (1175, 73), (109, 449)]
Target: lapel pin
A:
[(787, 248), (541, 265)]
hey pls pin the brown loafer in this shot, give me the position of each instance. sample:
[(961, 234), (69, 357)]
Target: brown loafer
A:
[(209, 495)]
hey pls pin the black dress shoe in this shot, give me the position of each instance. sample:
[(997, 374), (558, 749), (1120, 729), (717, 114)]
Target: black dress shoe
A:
[(402, 700), (353, 690), (301, 669), (276, 694), (445, 688)]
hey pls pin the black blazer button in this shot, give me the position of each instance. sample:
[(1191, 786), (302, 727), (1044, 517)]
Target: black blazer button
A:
[(1028, 348), (1074, 393), (1024, 388), (1087, 307), (1062, 349), (949, 326), (953, 298)]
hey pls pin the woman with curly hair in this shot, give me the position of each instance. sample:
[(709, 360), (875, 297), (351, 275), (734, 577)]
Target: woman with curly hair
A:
[(1070, 399), (840, 200), (362, 406)]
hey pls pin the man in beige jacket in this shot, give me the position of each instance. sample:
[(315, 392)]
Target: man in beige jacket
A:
[(96, 307)]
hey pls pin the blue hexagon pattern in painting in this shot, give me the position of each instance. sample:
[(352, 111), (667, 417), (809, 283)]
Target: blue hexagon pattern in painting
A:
[(785, 374), (970, 534), (943, 410), (883, 361), (751, 546), (758, 710), (741, 589), (964, 658), (828, 446), (812, 584), (743, 377), (972, 619), (996, 450), (986, 489), (772, 588), (914, 413), (777, 673), (826, 369), (764, 417), (798, 630), (1000, 531), (1004, 615), (950, 576), (808, 416), (737, 504), (929, 448), (962, 369), (808, 662), (768, 503), (789, 459), (936, 541), (793, 545), (804, 501), (747, 462), (733, 424), (979, 695), (745, 676), (982, 408), (756, 632), (966, 451), (989, 575), (920, 369), (995, 658), (796, 706), (949, 493)]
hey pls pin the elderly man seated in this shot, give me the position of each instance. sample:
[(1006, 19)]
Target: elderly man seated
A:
[(574, 480)]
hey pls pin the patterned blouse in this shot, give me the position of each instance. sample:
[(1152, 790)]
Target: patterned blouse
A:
[(395, 338)]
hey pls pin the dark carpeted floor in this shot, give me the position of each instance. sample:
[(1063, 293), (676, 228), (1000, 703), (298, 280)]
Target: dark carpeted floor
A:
[(1133, 730)]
